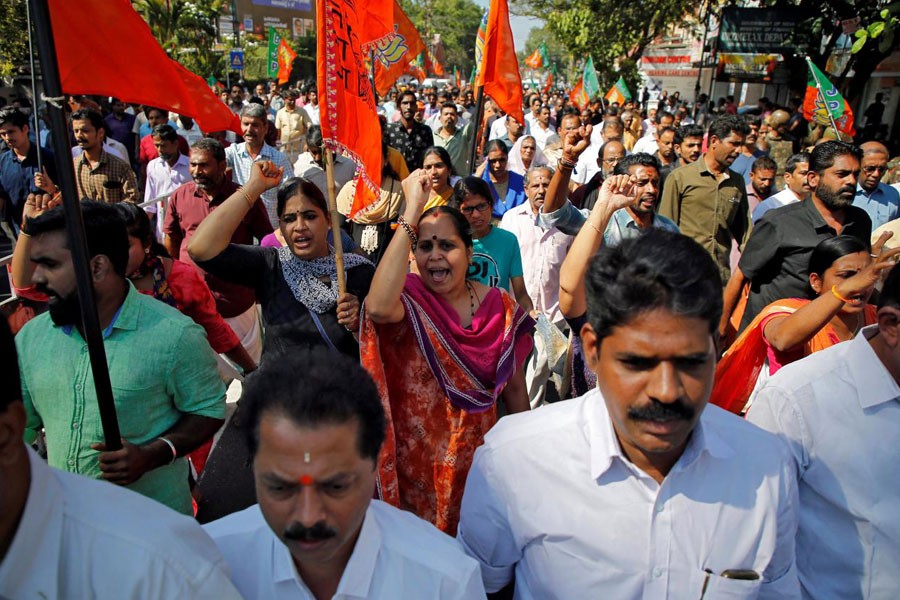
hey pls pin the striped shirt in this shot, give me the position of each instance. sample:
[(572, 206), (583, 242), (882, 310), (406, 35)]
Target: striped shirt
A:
[(112, 180), (240, 162)]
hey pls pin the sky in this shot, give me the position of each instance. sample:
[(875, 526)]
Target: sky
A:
[(521, 26)]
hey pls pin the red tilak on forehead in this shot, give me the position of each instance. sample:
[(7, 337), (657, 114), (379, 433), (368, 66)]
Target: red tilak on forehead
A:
[(434, 238), (306, 480)]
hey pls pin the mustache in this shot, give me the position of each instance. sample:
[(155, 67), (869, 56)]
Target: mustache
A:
[(660, 412), (317, 533)]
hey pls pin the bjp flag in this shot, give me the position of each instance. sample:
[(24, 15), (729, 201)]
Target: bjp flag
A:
[(499, 71), (348, 115), (392, 57), (579, 96), (286, 56), (535, 60)]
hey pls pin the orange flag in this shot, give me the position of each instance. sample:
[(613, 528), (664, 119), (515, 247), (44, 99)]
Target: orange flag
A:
[(377, 20), (348, 115), (499, 72), (578, 96), (535, 60), (392, 57), (286, 56), (133, 68)]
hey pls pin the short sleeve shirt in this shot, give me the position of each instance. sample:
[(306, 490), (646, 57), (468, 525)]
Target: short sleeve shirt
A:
[(496, 259), (411, 144)]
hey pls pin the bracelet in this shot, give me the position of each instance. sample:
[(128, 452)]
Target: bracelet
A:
[(410, 231), (564, 163), (249, 200), (875, 256), (594, 227), (171, 447), (835, 293)]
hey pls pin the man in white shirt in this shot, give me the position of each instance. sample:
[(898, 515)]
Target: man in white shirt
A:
[(67, 536), (165, 173), (311, 164), (649, 143), (796, 186), (316, 532), (649, 492), (839, 411), (542, 129)]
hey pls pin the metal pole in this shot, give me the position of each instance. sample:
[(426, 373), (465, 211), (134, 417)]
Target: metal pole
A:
[(702, 59), (75, 223), (34, 95), (822, 96), (479, 113)]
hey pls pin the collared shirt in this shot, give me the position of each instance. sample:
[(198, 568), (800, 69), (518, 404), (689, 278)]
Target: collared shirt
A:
[(112, 180), (291, 125), (344, 172), (161, 368), (188, 206), (80, 538), (190, 135), (457, 146), (240, 161), (543, 252), (313, 112), (782, 198), (541, 135), (647, 144), (882, 204), (411, 144), (111, 146), (163, 179), (709, 209), (776, 257), (839, 411), (397, 555), (621, 226), (590, 524), (17, 179)]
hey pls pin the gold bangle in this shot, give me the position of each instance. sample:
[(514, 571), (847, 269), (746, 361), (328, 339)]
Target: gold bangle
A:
[(835, 293), (249, 200), (594, 227)]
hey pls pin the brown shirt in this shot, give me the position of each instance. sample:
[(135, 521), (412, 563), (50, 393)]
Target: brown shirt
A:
[(112, 180), (711, 210)]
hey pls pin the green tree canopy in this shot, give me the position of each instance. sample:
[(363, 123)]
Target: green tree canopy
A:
[(456, 20), (13, 36)]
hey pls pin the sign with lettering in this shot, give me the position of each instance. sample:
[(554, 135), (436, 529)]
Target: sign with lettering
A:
[(757, 30)]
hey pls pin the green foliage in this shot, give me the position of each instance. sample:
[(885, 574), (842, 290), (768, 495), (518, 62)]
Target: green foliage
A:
[(456, 20), (885, 28), (13, 36), (559, 55)]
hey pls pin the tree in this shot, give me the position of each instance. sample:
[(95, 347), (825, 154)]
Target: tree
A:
[(13, 36), (456, 21), (559, 55)]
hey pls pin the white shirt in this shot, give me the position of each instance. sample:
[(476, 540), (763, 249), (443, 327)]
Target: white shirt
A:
[(541, 135), (498, 128), (190, 135), (543, 252), (397, 556), (112, 147), (586, 166), (838, 410), (646, 144), (162, 180), (312, 111), (782, 198), (83, 538), (552, 498), (344, 172)]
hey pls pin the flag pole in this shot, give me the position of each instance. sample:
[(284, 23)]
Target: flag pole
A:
[(479, 113), (34, 96), (335, 221), (822, 96), (75, 223)]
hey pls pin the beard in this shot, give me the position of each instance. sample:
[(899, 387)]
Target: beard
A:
[(836, 199), (64, 310)]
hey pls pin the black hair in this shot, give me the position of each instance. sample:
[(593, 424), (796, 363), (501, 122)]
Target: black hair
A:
[(603, 149), (211, 145), (463, 229), (666, 129), (664, 113), (89, 114), (659, 269), (791, 165), (11, 390), (828, 251), (137, 224), (724, 125), (890, 291), (13, 116), (823, 155), (333, 390), (104, 228), (449, 104), (165, 132), (444, 156), (764, 162), (612, 123), (300, 186), (470, 185), (639, 158), (314, 136), (150, 109), (496, 144)]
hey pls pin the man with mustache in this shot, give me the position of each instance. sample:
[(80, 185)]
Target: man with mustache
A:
[(99, 175), (776, 257), (879, 200), (316, 532), (649, 492), (706, 199), (169, 398)]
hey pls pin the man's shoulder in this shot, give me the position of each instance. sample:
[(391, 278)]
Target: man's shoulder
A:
[(666, 223), (889, 191), (524, 433), (814, 369), (235, 532), (750, 444)]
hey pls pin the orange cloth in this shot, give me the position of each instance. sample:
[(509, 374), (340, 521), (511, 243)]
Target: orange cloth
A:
[(737, 372), (578, 96), (392, 57), (499, 72), (286, 56)]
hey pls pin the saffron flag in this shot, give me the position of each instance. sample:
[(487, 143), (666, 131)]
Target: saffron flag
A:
[(458, 77), (286, 56), (823, 102), (376, 18), (134, 67), (549, 84), (348, 115), (578, 96), (535, 60), (499, 71), (392, 57), (589, 80), (619, 92), (435, 65), (272, 53), (479, 44)]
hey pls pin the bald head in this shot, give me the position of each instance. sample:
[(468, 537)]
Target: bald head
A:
[(873, 165), (874, 148)]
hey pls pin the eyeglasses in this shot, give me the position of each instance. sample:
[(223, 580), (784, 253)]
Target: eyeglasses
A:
[(483, 207), (872, 169)]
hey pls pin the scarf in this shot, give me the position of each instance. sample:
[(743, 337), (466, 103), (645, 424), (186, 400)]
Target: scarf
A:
[(302, 276), (154, 267)]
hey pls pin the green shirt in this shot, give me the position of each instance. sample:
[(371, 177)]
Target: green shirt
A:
[(458, 146), (496, 259), (713, 211), (161, 367)]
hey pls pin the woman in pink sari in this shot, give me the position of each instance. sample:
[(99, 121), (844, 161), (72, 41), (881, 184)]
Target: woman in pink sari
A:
[(442, 349)]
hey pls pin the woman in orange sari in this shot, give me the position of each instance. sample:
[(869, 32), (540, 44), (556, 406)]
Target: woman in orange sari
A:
[(842, 275), (442, 349)]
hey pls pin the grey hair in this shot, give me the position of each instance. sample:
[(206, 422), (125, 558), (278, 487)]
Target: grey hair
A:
[(546, 168), (255, 111)]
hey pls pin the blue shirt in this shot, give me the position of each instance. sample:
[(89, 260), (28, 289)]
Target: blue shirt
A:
[(882, 204), (621, 226), (515, 193), (17, 179), (743, 163)]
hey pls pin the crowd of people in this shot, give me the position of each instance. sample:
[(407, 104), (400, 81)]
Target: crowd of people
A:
[(648, 350)]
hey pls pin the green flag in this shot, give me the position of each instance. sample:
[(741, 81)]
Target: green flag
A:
[(545, 55), (272, 56), (623, 88), (591, 84)]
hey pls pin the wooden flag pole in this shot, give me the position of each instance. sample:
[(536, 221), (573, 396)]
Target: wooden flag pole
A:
[(335, 221), (479, 114)]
